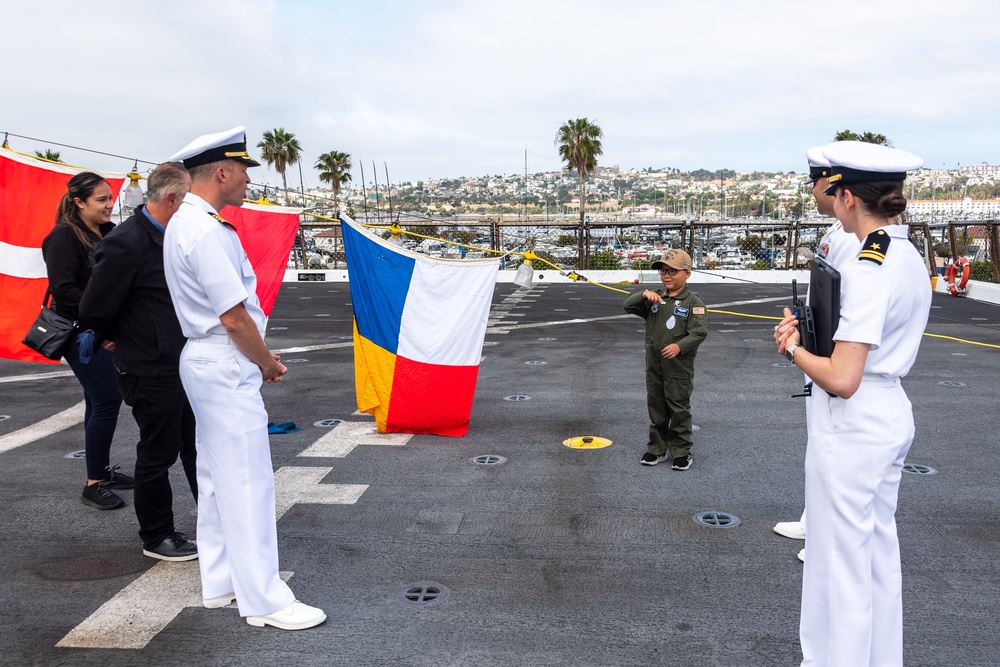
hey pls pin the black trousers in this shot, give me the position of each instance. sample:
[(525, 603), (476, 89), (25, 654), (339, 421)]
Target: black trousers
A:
[(166, 431)]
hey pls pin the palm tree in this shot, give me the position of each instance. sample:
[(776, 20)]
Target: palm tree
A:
[(335, 169), (579, 143), (867, 137), (280, 149), (50, 155)]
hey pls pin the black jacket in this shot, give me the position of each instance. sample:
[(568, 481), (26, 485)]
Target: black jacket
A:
[(127, 300), (68, 264)]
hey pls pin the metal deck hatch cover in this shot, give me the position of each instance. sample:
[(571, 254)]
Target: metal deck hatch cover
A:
[(422, 593), (586, 442), (488, 459), (717, 519), (918, 469)]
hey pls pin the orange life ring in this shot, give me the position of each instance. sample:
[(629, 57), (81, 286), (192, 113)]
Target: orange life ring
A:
[(957, 275)]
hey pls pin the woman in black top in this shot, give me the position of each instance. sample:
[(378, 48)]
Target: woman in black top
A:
[(84, 217)]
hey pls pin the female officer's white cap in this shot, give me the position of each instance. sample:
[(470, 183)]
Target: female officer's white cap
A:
[(228, 145), (819, 166), (862, 162)]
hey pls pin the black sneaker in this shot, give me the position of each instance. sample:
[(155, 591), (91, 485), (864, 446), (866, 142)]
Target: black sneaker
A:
[(682, 463), (650, 459), (174, 548), (100, 496), (117, 480)]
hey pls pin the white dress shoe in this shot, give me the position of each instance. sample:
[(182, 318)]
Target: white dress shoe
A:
[(793, 529), (221, 601), (296, 616), (802, 555)]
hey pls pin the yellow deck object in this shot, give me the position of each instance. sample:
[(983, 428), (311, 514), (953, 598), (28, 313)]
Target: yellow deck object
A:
[(587, 442)]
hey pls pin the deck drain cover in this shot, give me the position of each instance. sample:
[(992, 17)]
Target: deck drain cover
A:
[(488, 460), (527, 363), (517, 397), (951, 383), (586, 442), (327, 423), (917, 469), (784, 364), (79, 454), (717, 519), (422, 593)]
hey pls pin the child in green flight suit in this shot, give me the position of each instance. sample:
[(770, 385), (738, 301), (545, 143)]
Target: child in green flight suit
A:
[(675, 326)]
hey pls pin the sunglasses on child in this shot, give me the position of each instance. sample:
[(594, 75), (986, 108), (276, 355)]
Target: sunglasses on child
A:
[(668, 272)]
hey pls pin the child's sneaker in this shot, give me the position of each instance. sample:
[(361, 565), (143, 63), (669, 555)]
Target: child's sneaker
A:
[(682, 463), (650, 459)]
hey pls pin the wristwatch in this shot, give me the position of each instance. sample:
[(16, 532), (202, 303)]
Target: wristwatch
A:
[(790, 351)]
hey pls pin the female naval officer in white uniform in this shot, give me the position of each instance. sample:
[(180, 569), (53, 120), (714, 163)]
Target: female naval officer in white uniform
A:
[(859, 436)]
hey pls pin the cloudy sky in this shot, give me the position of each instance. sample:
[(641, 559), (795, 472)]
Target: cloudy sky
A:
[(447, 88)]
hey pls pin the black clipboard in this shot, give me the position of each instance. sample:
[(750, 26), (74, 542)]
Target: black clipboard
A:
[(824, 301)]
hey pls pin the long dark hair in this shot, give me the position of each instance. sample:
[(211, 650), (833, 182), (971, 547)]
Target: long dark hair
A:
[(80, 186)]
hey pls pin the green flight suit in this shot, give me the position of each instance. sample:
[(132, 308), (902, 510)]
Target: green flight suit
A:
[(669, 382)]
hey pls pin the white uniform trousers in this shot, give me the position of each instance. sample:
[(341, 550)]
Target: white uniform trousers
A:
[(237, 533), (852, 608)]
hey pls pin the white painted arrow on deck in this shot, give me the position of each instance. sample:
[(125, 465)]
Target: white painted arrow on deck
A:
[(143, 608), (343, 438)]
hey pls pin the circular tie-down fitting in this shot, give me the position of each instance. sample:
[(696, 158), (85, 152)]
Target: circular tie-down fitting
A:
[(586, 442), (717, 519), (421, 593), (3, 417), (294, 361), (951, 383), (488, 460), (535, 362), (79, 454), (517, 397), (327, 423), (918, 469)]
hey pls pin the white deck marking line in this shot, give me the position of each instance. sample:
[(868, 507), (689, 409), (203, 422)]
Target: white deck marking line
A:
[(302, 485), (57, 422), (36, 376), (343, 438), (142, 609)]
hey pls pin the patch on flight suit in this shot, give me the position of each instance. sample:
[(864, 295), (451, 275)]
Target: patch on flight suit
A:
[(698, 310), (683, 312), (875, 246)]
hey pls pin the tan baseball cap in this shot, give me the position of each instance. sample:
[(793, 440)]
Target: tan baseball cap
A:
[(675, 259)]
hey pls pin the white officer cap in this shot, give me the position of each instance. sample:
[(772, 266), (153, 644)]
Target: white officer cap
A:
[(819, 166), (862, 162), (228, 145)]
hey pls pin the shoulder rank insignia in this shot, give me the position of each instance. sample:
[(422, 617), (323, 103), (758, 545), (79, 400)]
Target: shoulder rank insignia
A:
[(223, 221), (875, 246)]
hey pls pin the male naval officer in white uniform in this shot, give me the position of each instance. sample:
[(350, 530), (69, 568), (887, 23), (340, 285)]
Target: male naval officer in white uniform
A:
[(222, 366), (836, 247)]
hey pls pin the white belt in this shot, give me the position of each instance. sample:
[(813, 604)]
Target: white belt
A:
[(874, 378), (214, 339)]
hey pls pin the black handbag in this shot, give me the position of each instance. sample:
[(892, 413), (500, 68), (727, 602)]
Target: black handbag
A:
[(51, 334)]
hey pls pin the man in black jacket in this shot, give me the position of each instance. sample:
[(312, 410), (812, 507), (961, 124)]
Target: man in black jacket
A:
[(127, 304)]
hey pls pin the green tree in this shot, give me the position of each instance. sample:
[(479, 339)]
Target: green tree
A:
[(48, 154), (867, 137), (281, 150), (335, 169), (579, 144)]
